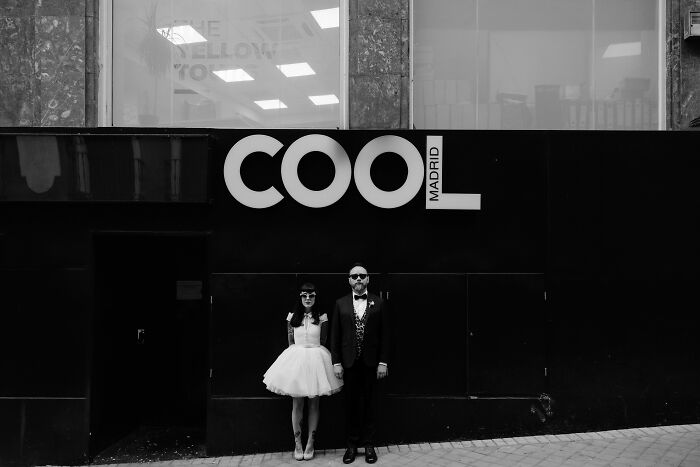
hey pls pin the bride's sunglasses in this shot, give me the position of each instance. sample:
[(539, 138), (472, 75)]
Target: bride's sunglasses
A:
[(308, 295)]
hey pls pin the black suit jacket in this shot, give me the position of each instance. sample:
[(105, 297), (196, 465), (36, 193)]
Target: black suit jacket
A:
[(376, 344)]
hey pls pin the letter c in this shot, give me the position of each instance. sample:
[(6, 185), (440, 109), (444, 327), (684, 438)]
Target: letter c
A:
[(232, 171)]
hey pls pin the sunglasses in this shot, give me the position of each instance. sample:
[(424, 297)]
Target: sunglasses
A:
[(355, 276), (308, 295)]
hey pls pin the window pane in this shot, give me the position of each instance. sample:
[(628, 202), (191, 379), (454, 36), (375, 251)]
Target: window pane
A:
[(538, 52), (445, 64), (227, 63), (626, 64), (548, 64)]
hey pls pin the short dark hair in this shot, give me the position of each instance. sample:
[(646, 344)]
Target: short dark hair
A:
[(358, 264)]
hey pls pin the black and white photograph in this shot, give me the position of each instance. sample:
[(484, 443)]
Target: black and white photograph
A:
[(331, 232)]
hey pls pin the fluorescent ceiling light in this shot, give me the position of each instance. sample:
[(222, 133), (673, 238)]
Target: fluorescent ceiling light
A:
[(326, 99), (179, 35), (271, 104), (291, 70), (624, 49), (232, 75), (328, 18)]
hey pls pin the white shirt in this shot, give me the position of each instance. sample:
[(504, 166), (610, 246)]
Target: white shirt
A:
[(359, 305)]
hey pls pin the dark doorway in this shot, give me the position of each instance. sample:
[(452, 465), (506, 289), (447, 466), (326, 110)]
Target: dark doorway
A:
[(150, 340), (507, 332)]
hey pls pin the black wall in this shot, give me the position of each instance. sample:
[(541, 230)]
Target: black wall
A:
[(604, 222)]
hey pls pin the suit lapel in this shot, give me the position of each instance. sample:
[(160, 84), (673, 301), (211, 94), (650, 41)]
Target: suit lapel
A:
[(370, 299), (349, 308)]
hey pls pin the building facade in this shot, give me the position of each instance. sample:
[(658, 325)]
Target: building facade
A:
[(52, 48), (141, 286)]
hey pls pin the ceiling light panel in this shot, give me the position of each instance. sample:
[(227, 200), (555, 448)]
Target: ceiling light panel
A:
[(326, 99), (271, 104), (233, 75), (624, 49), (179, 35), (328, 18), (292, 70)]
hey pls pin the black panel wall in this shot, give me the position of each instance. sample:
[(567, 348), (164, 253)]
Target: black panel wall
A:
[(44, 368), (604, 223), (623, 268)]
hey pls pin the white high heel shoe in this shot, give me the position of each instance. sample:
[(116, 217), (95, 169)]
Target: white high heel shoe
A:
[(298, 449), (309, 451)]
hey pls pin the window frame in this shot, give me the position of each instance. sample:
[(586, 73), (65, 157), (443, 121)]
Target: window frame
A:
[(105, 59), (661, 91)]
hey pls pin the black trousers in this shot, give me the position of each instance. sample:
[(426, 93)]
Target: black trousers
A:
[(361, 396)]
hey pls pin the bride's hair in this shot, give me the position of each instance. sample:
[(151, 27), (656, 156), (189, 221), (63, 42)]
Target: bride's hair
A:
[(299, 309)]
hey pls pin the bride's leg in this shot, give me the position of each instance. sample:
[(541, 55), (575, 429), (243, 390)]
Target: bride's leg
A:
[(314, 414), (297, 413)]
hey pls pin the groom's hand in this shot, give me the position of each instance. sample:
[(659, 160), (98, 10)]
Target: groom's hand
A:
[(382, 371), (338, 370)]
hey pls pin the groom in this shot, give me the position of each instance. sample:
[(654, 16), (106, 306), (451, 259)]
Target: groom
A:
[(360, 334)]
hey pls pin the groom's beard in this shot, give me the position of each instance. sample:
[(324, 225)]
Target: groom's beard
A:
[(358, 287)]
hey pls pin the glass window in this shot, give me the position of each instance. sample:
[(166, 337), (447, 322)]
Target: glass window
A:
[(227, 63), (548, 64)]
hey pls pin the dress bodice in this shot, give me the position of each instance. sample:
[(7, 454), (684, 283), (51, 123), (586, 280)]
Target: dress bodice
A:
[(308, 333)]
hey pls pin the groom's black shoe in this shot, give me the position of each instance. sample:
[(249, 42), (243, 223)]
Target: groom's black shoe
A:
[(370, 455), (349, 456)]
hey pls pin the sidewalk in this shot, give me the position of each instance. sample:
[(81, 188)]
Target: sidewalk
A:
[(677, 445)]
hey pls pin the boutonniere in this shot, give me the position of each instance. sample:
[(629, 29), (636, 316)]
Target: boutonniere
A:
[(371, 303)]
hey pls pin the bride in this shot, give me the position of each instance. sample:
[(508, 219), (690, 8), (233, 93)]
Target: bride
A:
[(304, 369)]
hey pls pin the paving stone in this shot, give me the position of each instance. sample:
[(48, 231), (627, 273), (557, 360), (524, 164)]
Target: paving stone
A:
[(673, 445)]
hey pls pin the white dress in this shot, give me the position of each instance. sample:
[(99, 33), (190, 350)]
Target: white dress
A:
[(304, 369)]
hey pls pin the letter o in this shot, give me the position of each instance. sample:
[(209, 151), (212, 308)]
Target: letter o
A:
[(414, 179), (198, 72), (290, 175), (242, 50), (232, 171)]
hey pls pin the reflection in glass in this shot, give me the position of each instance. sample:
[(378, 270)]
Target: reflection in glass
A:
[(445, 64), (548, 64), (625, 62), (167, 168), (82, 168), (206, 63)]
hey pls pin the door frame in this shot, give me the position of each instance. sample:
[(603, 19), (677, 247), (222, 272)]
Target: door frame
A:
[(205, 235)]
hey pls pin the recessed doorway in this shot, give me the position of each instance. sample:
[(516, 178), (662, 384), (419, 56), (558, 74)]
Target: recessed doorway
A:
[(149, 367)]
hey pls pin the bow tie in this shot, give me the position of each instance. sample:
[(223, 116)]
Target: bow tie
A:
[(360, 297)]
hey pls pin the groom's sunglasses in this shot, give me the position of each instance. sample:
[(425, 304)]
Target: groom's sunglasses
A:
[(355, 276), (308, 295)]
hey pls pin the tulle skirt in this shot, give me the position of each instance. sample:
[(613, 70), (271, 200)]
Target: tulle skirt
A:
[(303, 371)]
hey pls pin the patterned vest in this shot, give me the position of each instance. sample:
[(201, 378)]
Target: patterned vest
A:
[(360, 333)]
